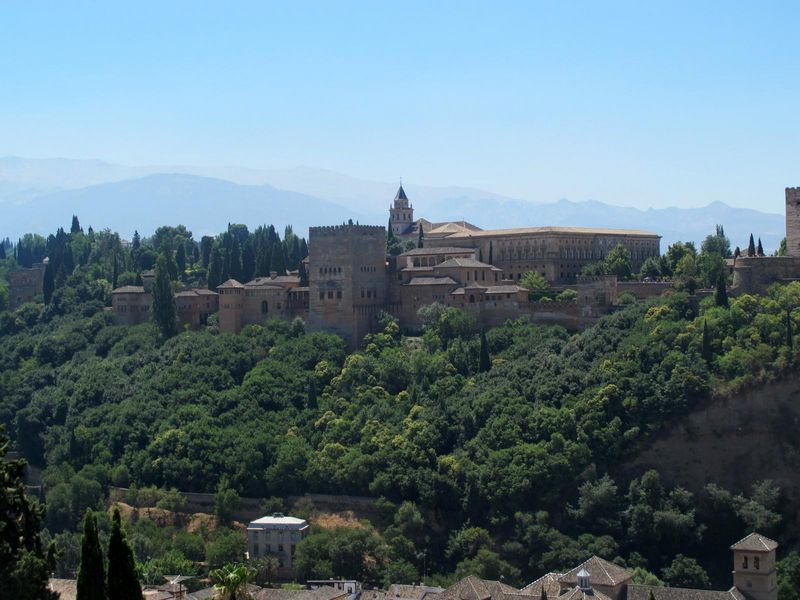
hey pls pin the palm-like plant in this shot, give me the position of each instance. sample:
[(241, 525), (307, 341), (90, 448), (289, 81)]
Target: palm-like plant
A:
[(231, 581)]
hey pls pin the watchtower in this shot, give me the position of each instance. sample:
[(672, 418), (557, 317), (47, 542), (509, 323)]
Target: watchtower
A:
[(793, 222), (401, 213), (754, 567), (347, 279)]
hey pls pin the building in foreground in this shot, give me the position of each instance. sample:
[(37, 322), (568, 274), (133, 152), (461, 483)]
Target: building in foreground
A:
[(26, 285), (276, 535)]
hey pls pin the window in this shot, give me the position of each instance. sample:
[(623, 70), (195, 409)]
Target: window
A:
[(264, 307), (744, 562), (339, 294), (330, 295), (756, 562)]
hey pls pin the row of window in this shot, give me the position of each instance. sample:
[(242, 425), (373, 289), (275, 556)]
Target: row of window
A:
[(330, 295)]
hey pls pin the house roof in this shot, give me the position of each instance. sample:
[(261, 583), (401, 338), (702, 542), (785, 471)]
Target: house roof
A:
[(231, 283), (755, 542), (474, 588), (601, 572), (279, 519), (431, 281), (195, 292), (505, 289), (129, 289), (551, 230), (642, 592), (453, 227), (323, 592), (577, 593), (548, 581), (467, 262), (412, 592)]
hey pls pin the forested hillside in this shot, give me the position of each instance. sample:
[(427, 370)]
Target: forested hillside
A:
[(491, 451)]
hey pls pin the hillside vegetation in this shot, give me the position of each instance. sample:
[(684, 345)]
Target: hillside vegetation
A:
[(497, 467)]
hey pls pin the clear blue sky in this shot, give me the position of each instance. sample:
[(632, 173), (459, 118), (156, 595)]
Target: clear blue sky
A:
[(638, 103)]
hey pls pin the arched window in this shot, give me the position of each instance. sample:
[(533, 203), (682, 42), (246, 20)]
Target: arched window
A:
[(756, 562), (744, 562), (264, 307)]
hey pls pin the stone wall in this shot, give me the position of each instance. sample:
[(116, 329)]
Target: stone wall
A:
[(25, 285), (793, 222), (754, 274), (643, 290)]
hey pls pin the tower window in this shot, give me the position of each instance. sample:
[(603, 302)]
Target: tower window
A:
[(264, 307), (756, 562), (744, 562)]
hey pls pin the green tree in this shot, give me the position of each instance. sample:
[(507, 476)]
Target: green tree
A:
[(751, 246), (686, 572), (485, 361), (789, 338), (23, 565), (781, 251), (76, 226), (536, 285), (789, 577), (226, 501), (419, 238), (231, 581), (49, 284), (707, 351), (721, 293), (759, 248), (618, 262), (180, 258), (123, 583), (215, 268), (91, 572), (163, 301), (235, 262)]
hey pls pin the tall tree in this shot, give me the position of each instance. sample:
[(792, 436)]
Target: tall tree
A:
[(49, 283), (180, 257), (419, 238), (278, 263), (114, 272), (235, 261), (248, 260), (215, 267), (751, 246), (23, 565), (759, 248), (721, 294), (123, 583), (76, 226), (485, 361), (91, 572), (2, 250), (163, 301), (303, 274), (206, 244)]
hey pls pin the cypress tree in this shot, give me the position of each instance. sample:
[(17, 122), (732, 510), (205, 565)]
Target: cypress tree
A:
[(123, 584), (751, 247), (721, 295), (737, 253), (91, 572), (707, 353), (163, 301), (180, 258), (114, 273), (491, 252), (2, 250), (278, 263), (248, 260), (303, 274), (76, 226), (760, 248), (235, 261), (49, 283), (485, 361), (419, 239), (215, 268)]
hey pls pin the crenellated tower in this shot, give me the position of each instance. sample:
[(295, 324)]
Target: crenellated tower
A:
[(793, 222)]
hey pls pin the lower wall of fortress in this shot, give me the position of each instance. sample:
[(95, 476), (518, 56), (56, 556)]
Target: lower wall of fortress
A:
[(754, 274)]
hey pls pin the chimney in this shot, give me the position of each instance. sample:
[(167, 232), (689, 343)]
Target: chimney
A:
[(583, 581), (273, 274)]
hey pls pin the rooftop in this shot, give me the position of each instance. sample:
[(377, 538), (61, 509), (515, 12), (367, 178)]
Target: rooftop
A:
[(279, 519), (601, 572), (466, 262), (231, 283), (129, 289), (434, 251), (549, 582), (431, 281), (755, 542), (642, 592)]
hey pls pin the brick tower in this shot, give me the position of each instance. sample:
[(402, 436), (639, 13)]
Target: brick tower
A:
[(754, 567), (347, 279), (793, 222), (401, 213)]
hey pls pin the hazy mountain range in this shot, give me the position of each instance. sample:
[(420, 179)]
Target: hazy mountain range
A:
[(39, 195)]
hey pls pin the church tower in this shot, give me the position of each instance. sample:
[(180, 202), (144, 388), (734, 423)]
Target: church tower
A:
[(793, 222), (754, 567), (401, 213)]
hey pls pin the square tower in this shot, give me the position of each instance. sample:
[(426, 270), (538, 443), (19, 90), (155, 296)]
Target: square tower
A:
[(401, 213), (347, 279), (754, 567), (793, 222)]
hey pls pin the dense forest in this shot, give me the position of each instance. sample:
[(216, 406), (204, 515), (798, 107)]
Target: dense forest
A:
[(490, 452)]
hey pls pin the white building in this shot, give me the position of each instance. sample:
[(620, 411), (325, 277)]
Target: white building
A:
[(276, 535)]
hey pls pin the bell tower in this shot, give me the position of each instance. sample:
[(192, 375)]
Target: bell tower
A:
[(401, 213), (754, 567)]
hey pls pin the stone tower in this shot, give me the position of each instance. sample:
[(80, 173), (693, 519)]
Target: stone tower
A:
[(793, 222), (347, 279), (401, 213), (754, 567)]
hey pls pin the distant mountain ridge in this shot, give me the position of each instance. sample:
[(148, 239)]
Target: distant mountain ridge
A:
[(40, 195)]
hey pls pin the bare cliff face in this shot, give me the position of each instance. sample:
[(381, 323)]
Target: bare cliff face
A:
[(733, 442)]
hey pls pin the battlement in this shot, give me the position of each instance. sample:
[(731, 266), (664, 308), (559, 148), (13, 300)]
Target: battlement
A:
[(346, 230)]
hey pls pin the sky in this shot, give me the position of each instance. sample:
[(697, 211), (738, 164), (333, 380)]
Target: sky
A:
[(645, 104)]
